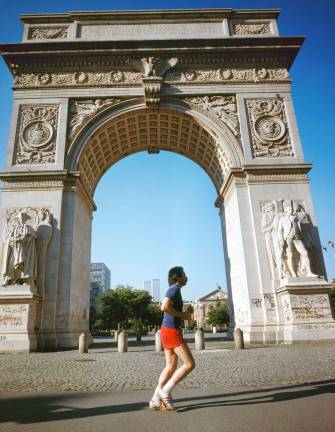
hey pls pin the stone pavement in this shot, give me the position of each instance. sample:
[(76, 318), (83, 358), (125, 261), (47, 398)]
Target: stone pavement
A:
[(275, 388), (104, 369)]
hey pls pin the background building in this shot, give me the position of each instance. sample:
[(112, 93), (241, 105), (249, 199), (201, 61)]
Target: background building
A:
[(100, 280), (154, 288), (204, 304), (147, 286)]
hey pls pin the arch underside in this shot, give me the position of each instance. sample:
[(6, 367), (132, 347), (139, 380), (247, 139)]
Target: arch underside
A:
[(151, 130)]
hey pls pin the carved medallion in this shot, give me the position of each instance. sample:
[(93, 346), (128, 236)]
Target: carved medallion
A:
[(269, 129), (268, 126), (36, 140), (37, 134)]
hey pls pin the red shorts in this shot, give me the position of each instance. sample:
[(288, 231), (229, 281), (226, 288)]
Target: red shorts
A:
[(171, 337)]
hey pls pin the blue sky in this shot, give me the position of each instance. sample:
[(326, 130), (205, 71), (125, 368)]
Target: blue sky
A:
[(156, 211)]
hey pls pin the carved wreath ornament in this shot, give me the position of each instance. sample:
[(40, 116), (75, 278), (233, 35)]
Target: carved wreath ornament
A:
[(269, 131), (37, 134)]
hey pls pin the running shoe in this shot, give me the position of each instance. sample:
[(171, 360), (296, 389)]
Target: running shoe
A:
[(166, 401), (155, 404)]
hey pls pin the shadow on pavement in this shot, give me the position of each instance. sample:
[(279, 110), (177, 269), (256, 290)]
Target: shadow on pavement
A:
[(279, 394), (47, 408)]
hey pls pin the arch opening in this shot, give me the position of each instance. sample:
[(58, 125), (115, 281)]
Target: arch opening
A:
[(159, 212), (118, 135)]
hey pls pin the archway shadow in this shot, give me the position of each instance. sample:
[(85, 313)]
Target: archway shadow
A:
[(48, 408)]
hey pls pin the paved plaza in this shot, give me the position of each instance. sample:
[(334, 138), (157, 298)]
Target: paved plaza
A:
[(278, 388), (104, 369)]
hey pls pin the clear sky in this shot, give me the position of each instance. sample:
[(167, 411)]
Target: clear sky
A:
[(156, 211)]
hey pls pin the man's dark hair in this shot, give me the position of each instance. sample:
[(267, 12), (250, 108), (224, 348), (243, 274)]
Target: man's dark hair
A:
[(174, 273)]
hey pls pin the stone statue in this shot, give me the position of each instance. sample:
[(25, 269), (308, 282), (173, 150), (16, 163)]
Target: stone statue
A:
[(293, 249), (20, 257), (154, 66), (270, 219)]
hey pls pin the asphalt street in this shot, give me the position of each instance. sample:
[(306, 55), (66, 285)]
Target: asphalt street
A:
[(308, 408)]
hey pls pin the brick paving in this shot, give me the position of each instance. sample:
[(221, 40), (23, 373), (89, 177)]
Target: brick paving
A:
[(104, 369)]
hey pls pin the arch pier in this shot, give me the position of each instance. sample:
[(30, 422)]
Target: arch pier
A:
[(91, 88)]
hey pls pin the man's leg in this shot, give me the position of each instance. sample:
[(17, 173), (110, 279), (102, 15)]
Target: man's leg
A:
[(184, 353), (171, 360)]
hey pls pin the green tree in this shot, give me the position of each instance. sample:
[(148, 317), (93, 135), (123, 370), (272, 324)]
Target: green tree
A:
[(127, 307), (139, 310), (116, 307), (93, 316), (219, 315), (154, 315)]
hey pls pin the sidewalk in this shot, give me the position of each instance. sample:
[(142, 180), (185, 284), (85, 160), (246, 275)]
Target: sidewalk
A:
[(308, 408)]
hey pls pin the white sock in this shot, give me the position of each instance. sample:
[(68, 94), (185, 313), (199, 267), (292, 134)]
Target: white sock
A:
[(168, 387), (155, 397)]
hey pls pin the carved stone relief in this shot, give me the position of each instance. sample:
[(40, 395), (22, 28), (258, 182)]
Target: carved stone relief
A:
[(154, 66), (26, 237), (289, 238), (123, 77), (36, 140), (223, 107), (189, 76), (244, 29), (48, 33), (268, 126), (77, 79), (81, 111)]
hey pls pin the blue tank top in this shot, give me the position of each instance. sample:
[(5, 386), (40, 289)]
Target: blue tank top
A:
[(169, 320)]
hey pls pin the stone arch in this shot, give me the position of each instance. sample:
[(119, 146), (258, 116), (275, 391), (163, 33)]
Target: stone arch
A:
[(129, 127), (224, 91)]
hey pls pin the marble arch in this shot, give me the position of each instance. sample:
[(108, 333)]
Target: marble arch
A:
[(126, 128), (211, 84)]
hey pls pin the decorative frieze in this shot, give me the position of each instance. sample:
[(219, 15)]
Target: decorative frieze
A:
[(81, 111), (77, 79), (189, 76), (48, 32), (36, 140), (119, 77), (222, 107), (26, 237), (268, 128), (247, 29), (289, 237), (10, 186)]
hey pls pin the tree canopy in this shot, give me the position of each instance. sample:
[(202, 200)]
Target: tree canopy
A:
[(219, 315), (126, 307)]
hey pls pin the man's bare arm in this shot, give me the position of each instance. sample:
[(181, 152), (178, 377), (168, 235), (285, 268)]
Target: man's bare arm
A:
[(167, 306)]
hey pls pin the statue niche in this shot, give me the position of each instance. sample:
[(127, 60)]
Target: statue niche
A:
[(26, 238)]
